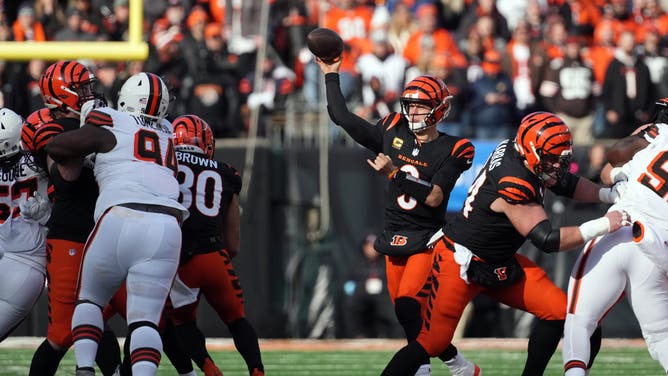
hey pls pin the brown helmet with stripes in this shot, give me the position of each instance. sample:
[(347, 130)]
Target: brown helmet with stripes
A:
[(429, 91), (192, 133), (144, 94), (66, 86), (545, 144)]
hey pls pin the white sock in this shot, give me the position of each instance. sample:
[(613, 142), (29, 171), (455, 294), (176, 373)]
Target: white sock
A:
[(575, 371), (191, 373), (86, 315), (424, 370), (146, 346), (457, 362)]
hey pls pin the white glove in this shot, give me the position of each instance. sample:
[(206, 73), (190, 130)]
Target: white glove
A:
[(618, 174), (612, 195), (89, 106), (36, 207)]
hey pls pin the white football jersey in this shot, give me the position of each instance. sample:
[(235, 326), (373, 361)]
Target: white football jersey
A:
[(141, 168), (646, 197), (17, 234)]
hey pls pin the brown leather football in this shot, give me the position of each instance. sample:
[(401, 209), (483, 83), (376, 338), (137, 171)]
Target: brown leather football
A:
[(325, 44)]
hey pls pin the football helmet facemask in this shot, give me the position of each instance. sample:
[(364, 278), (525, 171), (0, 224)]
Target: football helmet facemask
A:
[(144, 94), (428, 91), (192, 133), (545, 144)]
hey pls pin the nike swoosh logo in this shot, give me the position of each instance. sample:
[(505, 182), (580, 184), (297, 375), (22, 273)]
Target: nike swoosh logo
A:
[(469, 161)]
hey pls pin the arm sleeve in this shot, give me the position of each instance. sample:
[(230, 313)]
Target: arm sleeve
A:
[(545, 238), (461, 159), (363, 132)]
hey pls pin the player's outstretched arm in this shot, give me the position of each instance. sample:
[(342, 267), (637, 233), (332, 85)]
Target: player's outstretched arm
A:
[(531, 221), (363, 132), (76, 144)]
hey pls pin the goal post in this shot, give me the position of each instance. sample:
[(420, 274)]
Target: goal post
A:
[(134, 49)]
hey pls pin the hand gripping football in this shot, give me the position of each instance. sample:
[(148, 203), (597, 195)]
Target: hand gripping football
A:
[(325, 44)]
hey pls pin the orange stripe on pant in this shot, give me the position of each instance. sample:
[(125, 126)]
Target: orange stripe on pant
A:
[(407, 275), (213, 273), (535, 293)]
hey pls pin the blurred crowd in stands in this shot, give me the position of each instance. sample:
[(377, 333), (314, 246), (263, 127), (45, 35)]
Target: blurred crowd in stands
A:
[(599, 64)]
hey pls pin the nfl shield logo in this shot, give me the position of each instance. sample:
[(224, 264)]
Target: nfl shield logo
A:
[(416, 151)]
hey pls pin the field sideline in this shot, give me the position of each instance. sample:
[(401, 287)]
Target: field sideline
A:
[(299, 357)]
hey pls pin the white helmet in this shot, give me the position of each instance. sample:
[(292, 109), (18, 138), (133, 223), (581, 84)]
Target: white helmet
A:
[(10, 133), (144, 94)]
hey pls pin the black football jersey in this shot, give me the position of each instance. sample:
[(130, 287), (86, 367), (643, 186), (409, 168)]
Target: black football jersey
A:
[(207, 187), (488, 234), (440, 161), (74, 201)]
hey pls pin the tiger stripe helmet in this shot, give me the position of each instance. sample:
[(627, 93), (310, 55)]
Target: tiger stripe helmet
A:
[(429, 91), (545, 144), (66, 86), (37, 130), (144, 94), (192, 133)]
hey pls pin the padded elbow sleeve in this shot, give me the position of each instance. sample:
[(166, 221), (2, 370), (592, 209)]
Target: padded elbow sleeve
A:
[(545, 237), (417, 188)]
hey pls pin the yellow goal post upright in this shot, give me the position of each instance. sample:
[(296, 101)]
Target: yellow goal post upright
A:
[(134, 49)]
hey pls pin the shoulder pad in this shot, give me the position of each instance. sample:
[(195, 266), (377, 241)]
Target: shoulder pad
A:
[(390, 120), (516, 190), (463, 149), (99, 118)]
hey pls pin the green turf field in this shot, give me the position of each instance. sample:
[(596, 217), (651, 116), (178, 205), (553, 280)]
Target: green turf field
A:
[(619, 361)]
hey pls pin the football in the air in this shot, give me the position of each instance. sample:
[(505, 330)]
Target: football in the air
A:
[(325, 43)]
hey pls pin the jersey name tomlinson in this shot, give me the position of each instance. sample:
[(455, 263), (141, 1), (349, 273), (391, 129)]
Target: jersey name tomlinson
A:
[(196, 159), (412, 161)]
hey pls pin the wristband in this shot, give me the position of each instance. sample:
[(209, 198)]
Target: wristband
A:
[(596, 227)]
